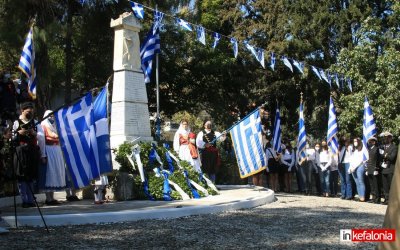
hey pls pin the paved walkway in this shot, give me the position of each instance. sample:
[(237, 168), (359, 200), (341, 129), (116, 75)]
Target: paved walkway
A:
[(291, 222), (85, 212)]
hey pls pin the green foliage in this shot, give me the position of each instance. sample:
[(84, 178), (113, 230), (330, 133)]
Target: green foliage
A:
[(373, 64), (121, 157), (359, 36), (195, 123)]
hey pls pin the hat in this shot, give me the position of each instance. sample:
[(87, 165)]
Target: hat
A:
[(387, 133), (26, 105), (372, 138)]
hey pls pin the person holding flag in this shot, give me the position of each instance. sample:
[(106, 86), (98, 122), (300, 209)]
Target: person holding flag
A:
[(207, 141)]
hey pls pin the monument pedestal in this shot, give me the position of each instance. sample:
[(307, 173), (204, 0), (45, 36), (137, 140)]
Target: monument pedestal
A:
[(129, 110)]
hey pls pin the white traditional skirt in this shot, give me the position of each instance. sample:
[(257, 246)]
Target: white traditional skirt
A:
[(184, 155), (55, 169)]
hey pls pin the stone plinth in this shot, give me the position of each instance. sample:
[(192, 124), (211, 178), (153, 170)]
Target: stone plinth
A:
[(129, 110)]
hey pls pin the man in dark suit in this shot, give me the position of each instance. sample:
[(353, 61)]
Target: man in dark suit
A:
[(373, 170), (389, 155)]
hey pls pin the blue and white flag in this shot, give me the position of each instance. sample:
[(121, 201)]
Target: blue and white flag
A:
[(158, 21), (299, 66), (277, 132), (323, 76), (75, 125), (316, 72), (149, 48), (184, 24), (273, 61), (102, 149), (257, 53), (248, 146), (235, 47), (137, 9), (348, 80), (287, 62), (201, 34), (216, 37), (260, 57), (329, 76), (337, 80), (332, 139), (301, 140), (251, 49), (369, 127), (27, 63)]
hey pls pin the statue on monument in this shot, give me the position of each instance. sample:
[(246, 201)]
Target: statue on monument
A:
[(128, 50)]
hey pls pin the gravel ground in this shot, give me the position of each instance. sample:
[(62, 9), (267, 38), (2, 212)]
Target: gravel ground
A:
[(292, 222)]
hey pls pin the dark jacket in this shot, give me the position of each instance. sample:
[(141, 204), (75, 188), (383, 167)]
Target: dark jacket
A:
[(389, 157), (373, 163)]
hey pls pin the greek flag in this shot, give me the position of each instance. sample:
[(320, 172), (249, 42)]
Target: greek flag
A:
[(316, 72), (76, 131), (149, 48), (258, 53), (349, 84), (27, 63), (251, 48), (102, 148), (299, 66), (337, 80), (369, 127), (273, 60), (217, 37), (201, 34), (158, 21), (260, 57), (184, 24), (301, 140), (323, 76), (137, 9), (287, 63), (277, 132), (332, 129), (235, 47), (248, 146)]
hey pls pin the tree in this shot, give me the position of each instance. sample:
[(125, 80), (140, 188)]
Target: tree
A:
[(374, 66)]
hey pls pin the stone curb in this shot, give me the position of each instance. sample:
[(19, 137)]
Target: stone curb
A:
[(265, 196)]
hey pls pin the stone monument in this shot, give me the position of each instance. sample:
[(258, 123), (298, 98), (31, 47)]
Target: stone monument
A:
[(129, 109)]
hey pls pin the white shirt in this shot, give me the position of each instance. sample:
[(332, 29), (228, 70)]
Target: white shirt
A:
[(311, 155), (356, 159), (325, 157), (347, 156), (199, 139), (287, 157)]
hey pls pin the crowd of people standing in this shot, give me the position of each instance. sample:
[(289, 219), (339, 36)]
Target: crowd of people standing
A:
[(30, 153), (341, 175)]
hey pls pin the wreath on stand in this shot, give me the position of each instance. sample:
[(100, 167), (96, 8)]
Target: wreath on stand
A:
[(155, 182)]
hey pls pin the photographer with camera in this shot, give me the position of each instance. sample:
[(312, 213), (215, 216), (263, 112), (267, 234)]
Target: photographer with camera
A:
[(27, 153)]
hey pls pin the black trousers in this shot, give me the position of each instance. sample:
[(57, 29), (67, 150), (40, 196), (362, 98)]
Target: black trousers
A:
[(386, 181), (375, 182), (305, 172)]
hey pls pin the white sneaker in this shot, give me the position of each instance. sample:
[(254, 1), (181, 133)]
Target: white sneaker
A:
[(3, 230)]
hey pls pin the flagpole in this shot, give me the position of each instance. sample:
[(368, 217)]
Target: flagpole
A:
[(158, 125)]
